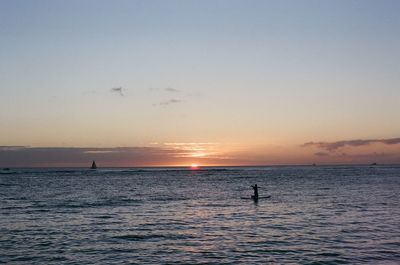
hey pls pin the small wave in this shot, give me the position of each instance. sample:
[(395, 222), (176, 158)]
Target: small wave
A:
[(27, 258), (167, 170), (44, 244), (7, 185), (103, 217), (39, 211), (137, 237), (65, 171), (78, 204), (329, 254), (169, 199), (12, 207), (213, 169), (217, 205), (8, 173), (60, 258)]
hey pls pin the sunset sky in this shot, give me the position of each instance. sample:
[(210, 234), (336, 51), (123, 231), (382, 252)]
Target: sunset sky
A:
[(171, 83)]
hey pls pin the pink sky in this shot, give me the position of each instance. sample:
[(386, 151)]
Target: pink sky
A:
[(382, 151)]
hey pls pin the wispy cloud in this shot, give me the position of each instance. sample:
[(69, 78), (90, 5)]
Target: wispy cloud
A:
[(12, 148), (171, 89), (193, 149), (164, 101), (375, 155), (117, 90), (168, 102), (165, 89), (333, 146), (365, 158), (321, 154)]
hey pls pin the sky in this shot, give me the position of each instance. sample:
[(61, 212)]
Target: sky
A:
[(171, 83)]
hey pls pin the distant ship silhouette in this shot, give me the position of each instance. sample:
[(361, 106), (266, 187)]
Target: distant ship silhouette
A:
[(93, 165)]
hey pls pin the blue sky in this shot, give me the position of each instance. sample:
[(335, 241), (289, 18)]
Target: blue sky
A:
[(236, 73)]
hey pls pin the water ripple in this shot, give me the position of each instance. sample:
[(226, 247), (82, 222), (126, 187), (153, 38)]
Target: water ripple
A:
[(316, 215)]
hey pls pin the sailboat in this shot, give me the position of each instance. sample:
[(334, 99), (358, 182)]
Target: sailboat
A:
[(93, 165)]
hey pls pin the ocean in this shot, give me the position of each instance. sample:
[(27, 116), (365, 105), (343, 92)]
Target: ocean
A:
[(315, 215)]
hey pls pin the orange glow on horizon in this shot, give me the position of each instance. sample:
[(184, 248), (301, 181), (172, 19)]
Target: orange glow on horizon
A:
[(194, 166)]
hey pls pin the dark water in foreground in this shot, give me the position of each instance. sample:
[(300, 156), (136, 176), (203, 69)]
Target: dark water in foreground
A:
[(316, 215)]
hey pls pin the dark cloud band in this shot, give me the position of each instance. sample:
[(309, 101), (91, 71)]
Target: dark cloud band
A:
[(333, 146)]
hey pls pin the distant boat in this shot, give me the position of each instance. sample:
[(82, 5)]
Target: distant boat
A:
[(93, 165), (374, 164)]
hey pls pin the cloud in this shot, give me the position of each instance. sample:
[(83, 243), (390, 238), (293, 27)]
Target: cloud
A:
[(171, 89), (373, 155), (166, 89), (117, 90), (161, 155), (367, 158), (162, 96), (193, 149), (11, 148), (334, 146), (321, 154), (169, 154), (168, 102), (71, 156)]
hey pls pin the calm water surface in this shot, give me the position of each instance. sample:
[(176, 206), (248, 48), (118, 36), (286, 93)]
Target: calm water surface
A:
[(316, 215)]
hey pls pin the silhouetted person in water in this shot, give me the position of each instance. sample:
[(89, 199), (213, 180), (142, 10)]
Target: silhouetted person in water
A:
[(255, 196)]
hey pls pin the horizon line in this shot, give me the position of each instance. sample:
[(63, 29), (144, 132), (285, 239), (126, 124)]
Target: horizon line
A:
[(215, 166)]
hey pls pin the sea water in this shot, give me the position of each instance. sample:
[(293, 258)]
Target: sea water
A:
[(315, 215)]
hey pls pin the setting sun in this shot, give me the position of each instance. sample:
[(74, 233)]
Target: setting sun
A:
[(194, 166)]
